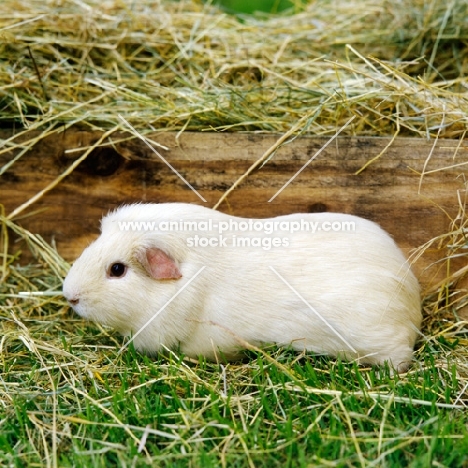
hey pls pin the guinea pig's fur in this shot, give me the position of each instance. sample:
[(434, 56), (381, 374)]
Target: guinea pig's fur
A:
[(341, 293)]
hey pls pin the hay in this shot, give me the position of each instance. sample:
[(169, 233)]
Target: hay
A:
[(185, 65), (397, 67)]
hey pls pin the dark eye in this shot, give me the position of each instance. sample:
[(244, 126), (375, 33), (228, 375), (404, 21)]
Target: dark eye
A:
[(117, 270)]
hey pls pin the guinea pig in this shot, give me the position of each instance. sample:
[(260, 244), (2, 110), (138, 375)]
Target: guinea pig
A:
[(188, 278)]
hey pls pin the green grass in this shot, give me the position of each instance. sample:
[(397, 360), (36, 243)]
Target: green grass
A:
[(255, 6), (68, 398)]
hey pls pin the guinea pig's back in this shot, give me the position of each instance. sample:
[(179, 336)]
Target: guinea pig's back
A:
[(324, 286)]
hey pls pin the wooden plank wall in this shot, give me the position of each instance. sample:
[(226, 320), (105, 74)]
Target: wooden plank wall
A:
[(390, 191)]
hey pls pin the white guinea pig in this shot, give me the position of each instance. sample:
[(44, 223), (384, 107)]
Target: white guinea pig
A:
[(186, 277)]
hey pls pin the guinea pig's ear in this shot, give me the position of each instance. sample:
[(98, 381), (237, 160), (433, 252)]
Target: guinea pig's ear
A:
[(158, 264)]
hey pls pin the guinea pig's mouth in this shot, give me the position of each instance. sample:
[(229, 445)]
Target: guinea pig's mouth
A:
[(78, 310), (87, 314)]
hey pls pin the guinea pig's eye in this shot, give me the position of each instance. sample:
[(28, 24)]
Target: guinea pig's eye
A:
[(117, 270)]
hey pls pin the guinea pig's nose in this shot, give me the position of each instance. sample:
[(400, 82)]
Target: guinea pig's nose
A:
[(73, 301)]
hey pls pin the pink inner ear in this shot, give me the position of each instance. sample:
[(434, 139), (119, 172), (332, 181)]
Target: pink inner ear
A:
[(160, 265)]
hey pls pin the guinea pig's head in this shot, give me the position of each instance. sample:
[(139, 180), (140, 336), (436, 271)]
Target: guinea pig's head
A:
[(116, 278)]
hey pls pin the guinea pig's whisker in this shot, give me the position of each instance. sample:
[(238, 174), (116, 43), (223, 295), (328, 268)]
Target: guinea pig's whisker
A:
[(161, 309), (336, 332)]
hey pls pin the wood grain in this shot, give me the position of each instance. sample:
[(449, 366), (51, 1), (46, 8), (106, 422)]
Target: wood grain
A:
[(126, 170)]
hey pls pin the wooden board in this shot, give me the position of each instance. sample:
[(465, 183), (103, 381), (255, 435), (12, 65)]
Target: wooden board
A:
[(126, 170)]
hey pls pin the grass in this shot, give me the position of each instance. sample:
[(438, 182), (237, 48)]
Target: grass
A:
[(67, 396), (267, 6)]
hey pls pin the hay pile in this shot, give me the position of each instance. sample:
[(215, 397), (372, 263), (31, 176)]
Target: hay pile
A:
[(400, 67), (185, 65)]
